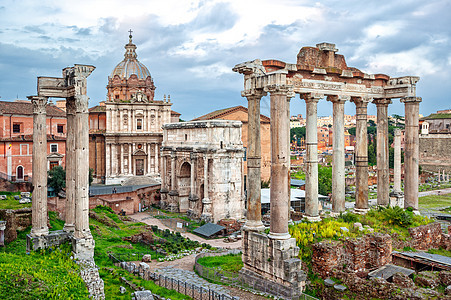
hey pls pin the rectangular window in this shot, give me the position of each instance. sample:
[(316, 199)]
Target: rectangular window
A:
[(139, 124), (16, 127), (54, 148), (60, 128), (53, 164), (23, 149)]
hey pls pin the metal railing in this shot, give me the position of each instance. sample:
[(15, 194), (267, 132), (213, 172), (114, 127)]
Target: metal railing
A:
[(192, 290)]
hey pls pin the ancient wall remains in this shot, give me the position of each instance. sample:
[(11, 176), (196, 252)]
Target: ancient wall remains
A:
[(434, 152)]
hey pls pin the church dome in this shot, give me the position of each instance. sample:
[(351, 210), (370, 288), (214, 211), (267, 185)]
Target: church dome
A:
[(130, 65)]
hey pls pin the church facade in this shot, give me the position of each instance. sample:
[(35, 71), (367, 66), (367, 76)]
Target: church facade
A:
[(128, 126)]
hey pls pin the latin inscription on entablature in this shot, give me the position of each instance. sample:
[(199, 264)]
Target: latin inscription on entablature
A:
[(334, 88)]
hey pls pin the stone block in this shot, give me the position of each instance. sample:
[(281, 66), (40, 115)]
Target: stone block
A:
[(54, 238), (340, 287), (147, 258), (122, 290), (25, 194), (329, 282), (3, 197)]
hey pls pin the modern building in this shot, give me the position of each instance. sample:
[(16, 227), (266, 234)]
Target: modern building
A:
[(16, 137)]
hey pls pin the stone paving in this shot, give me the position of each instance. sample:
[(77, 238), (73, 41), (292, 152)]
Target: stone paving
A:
[(191, 278)]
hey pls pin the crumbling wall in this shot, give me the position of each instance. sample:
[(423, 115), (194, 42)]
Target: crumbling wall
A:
[(18, 219), (427, 236)]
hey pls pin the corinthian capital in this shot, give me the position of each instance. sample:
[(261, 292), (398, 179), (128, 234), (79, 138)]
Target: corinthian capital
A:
[(382, 102), (338, 98), (411, 100), (311, 97), (39, 104), (278, 89), (253, 94)]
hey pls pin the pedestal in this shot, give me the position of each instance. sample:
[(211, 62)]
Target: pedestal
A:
[(271, 265), (361, 211), (83, 248), (53, 238), (397, 199)]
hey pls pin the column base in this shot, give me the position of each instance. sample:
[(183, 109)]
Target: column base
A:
[(271, 265), (361, 211), (279, 236), (252, 225), (39, 232), (313, 219), (83, 248), (54, 238), (397, 199), (69, 228)]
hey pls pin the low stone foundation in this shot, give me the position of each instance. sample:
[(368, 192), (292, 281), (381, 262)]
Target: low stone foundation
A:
[(397, 199), (54, 238), (271, 265), (89, 272), (83, 248), (427, 236)]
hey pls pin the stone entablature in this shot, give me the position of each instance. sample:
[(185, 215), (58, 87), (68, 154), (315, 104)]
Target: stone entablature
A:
[(202, 169)]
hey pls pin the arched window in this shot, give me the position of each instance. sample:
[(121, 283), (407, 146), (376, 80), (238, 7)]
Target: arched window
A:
[(19, 173)]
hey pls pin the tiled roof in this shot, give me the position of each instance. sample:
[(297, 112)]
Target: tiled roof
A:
[(209, 229), (174, 113), (26, 108), (98, 108), (225, 111)]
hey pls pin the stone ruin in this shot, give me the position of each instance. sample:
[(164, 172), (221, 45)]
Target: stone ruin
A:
[(73, 87), (319, 72)]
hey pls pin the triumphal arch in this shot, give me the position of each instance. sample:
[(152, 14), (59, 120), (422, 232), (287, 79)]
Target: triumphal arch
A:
[(73, 87), (319, 73)]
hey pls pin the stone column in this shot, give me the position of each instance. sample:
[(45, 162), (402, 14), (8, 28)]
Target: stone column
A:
[(411, 152), (206, 211), (279, 203), (383, 172), (173, 171), (113, 159), (39, 165), (149, 157), (254, 222), (82, 169), (361, 155), (164, 188), (122, 159), (338, 158), (397, 162), (311, 161), (69, 225), (133, 166), (156, 159), (107, 160), (130, 159)]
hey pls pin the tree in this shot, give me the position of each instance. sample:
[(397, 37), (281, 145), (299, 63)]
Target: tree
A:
[(299, 132), (324, 180), (352, 131), (57, 178), (91, 177)]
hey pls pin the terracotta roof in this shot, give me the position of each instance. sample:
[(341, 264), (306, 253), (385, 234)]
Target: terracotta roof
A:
[(26, 108), (174, 113), (217, 114), (98, 108)]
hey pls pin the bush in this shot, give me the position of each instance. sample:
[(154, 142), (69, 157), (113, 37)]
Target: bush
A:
[(397, 216)]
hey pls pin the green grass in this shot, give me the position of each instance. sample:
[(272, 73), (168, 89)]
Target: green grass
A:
[(10, 202), (41, 275), (435, 201), (229, 262), (440, 251)]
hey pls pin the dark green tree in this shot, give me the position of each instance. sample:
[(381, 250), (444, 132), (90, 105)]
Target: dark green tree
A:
[(324, 180), (91, 177), (57, 178), (299, 132)]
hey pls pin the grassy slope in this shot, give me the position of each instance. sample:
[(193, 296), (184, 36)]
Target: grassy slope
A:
[(10, 202), (229, 262), (435, 201)]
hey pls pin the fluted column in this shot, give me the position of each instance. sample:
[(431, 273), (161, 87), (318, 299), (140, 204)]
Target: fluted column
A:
[(82, 169), (397, 162), (338, 156), (39, 165), (107, 159), (411, 152), (206, 211), (311, 161), (156, 159), (122, 159), (254, 222), (164, 188), (173, 171), (130, 159), (279, 203), (149, 158), (383, 173), (69, 209), (361, 155)]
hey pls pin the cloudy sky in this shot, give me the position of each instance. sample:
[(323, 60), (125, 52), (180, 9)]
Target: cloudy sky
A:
[(190, 47)]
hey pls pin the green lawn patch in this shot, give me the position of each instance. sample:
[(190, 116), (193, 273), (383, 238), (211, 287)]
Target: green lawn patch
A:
[(440, 251), (41, 275), (10, 202), (434, 201), (229, 262)]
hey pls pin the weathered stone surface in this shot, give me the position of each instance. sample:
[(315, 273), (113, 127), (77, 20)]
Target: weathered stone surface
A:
[(147, 258), (329, 282), (90, 275), (426, 236), (403, 281), (325, 257), (427, 279), (445, 277), (142, 295)]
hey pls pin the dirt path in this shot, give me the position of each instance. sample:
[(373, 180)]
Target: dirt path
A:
[(147, 219)]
